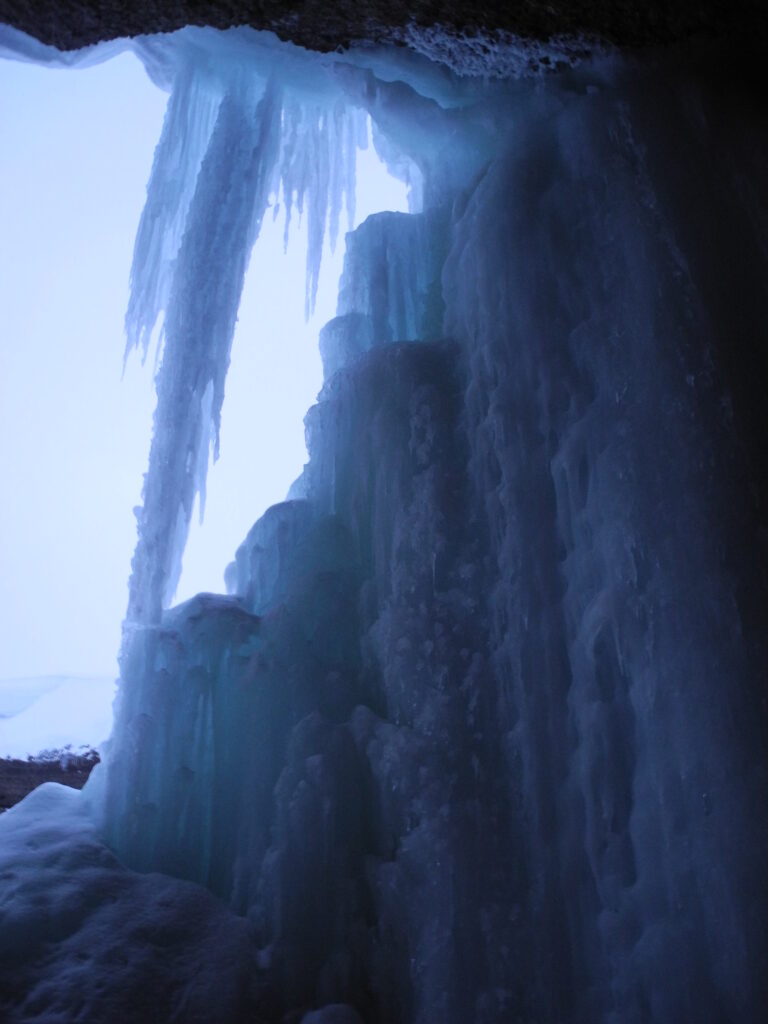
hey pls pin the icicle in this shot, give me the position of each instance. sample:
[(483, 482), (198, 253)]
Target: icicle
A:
[(317, 164), (336, 140), (228, 146), (189, 121), (225, 213), (318, 206)]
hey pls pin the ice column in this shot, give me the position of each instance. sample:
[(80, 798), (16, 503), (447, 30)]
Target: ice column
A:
[(225, 213), (245, 128)]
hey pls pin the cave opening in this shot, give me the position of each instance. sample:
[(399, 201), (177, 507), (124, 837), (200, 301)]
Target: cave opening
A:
[(478, 731)]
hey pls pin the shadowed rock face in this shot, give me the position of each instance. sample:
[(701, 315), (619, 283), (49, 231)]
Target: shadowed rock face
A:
[(18, 778), (70, 24)]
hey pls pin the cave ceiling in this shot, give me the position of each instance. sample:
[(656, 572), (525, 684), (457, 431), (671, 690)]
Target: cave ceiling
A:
[(316, 24)]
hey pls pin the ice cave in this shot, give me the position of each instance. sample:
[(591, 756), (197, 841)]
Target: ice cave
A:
[(477, 733)]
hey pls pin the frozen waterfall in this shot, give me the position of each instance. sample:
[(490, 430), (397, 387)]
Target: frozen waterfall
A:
[(235, 138), (478, 733)]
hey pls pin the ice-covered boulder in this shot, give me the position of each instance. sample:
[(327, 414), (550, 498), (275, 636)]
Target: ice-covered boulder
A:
[(82, 937)]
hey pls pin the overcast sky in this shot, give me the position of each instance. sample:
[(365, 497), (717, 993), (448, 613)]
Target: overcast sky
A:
[(74, 160)]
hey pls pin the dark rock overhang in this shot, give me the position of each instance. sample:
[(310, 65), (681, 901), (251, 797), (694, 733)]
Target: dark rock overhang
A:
[(317, 24)]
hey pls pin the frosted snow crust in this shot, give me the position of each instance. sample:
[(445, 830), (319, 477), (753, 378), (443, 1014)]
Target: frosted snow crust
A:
[(83, 938), (498, 54), (52, 713)]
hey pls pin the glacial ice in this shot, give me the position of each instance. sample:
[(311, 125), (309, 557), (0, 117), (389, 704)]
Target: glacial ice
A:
[(478, 732)]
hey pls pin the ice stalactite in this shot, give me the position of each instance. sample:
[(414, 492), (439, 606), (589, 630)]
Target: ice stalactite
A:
[(234, 140), (230, 197), (319, 147), (189, 120)]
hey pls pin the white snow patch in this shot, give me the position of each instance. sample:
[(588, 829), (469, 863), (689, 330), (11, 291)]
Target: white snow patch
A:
[(52, 713)]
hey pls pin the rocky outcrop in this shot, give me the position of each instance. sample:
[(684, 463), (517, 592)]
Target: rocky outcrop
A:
[(70, 24), (17, 778)]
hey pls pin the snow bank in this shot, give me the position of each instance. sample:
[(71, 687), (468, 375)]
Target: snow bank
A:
[(52, 713), (83, 938)]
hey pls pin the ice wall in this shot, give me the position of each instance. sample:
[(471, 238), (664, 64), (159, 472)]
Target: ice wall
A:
[(605, 453), (478, 733), (495, 681)]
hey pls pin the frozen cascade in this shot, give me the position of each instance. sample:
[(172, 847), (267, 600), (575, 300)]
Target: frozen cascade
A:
[(235, 138), (479, 731), (231, 194), (189, 120)]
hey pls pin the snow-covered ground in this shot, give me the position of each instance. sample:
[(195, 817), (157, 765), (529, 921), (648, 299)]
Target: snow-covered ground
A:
[(53, 712)]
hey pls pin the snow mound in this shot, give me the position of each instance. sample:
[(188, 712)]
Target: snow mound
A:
[(83, 938)]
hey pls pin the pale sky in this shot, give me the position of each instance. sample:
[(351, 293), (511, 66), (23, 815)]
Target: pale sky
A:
[(75, 156)]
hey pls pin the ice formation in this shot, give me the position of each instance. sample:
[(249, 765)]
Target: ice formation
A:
[(478, 733), (236, 137)]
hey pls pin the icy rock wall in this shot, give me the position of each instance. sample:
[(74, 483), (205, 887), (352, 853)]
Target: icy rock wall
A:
[(247, 754), (392, 268), (626, 647), (479, 733)]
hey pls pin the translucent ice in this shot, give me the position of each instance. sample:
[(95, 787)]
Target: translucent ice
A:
[(239, 133)]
